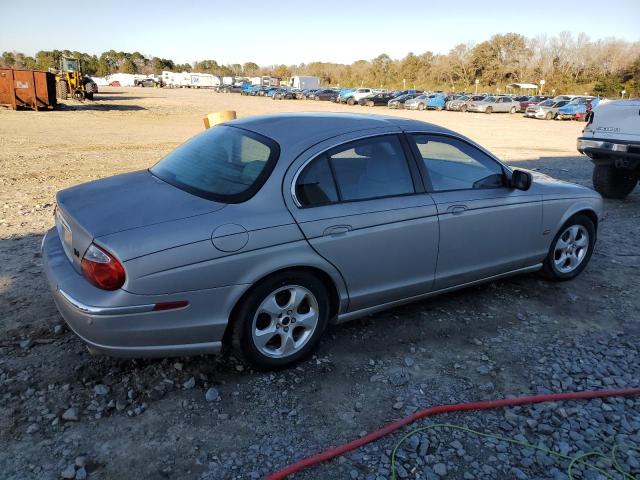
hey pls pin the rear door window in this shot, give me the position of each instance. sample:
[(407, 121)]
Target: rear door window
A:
[(360, 170)]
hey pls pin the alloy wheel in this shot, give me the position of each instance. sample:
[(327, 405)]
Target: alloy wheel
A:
[(571, 248), (285, 321)]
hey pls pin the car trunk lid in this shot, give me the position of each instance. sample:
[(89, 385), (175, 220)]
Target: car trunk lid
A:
[(119, 203)]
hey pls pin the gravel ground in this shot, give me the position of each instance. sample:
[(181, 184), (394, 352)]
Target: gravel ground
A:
[(66, 414)]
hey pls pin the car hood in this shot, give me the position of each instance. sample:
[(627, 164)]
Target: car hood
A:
[(128, 201), (550, 186)]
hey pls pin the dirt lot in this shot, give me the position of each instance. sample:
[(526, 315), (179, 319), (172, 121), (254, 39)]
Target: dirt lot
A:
[(150, 418)]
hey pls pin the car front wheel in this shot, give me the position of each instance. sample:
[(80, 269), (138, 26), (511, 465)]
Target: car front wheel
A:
[(571, 249), (281, 321)]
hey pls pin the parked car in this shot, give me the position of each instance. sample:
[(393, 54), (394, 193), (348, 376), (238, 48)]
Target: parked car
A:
[(577, 109), (436, 101), (283, 93), (611, 139), (547, 109), (325, 94), (493, 104), (357, 94), (145, 82), (417, 103), (534, 100), (344, 95), (568, 98), (454, 98), (376, 100), (251, 90), (256, 234), (462, 104), (399, 101)]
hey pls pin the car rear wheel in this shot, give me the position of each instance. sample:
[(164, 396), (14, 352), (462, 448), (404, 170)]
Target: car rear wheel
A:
[(489, 110), (281, 321), (612, 182), (513, 110), (571, 249)]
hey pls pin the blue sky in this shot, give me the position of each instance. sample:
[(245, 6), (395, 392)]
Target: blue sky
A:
[(287, 32)]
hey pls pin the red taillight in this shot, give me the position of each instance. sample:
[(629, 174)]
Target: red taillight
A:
[(102, 269)]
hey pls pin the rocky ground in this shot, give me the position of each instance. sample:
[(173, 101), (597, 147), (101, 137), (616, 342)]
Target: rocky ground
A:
[(66, 414)]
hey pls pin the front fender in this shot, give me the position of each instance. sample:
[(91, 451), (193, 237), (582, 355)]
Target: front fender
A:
[(558, 211)]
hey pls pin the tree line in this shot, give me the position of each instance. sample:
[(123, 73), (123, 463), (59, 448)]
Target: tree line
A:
[(567, 63)]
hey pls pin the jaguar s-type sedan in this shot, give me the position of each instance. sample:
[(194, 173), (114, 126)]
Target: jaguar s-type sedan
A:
[(258, 232)]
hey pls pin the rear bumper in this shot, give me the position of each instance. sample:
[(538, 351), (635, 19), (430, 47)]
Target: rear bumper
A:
[(619, 150), (123, 324)]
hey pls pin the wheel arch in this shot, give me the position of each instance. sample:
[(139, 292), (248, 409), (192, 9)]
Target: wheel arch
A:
[(579, 209), (335, 299)]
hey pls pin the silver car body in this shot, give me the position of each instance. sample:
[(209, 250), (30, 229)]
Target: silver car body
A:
[(372, 254), (496, 103), (545, 110)]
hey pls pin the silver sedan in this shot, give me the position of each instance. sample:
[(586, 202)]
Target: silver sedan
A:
[(259, 232), (494, 104)]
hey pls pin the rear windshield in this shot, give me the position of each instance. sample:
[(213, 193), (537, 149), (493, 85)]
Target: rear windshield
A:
[(225, 164)]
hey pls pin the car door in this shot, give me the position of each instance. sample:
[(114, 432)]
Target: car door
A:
[(361, 205), (486, 227)]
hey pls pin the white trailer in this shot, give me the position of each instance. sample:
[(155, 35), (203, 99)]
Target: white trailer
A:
[(304, 82), (227, 80), (203, 80)]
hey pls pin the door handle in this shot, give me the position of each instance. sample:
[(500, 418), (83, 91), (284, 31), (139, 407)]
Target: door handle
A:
[(456, 209), (337, 230)]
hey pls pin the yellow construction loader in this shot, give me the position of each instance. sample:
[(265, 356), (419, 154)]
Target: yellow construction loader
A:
[(70, 81)]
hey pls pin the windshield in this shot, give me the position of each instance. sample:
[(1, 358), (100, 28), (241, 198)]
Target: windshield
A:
[(489, 99), (546, 103), (70, 65), (222, 163), (578, 101)]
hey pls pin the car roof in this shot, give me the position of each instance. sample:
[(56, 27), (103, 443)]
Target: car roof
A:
[(287, 128)]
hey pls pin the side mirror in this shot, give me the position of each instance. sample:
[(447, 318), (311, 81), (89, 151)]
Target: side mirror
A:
[(521, 180)]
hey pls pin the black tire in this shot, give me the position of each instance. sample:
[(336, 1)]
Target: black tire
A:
[(612, 182), (489, 110), (62, 90), (548, 116), (549, 269), (513, 110), (242, 340), (88, 96), (351, 101), (463, 108), (421, 106)]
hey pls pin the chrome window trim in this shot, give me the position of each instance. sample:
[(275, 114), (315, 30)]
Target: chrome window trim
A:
[(299, 171)]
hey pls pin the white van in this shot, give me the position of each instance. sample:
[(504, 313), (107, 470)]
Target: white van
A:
[(611, 139)]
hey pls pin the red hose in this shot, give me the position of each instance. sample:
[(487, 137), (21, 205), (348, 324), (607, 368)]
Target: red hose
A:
[(427, 412)]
